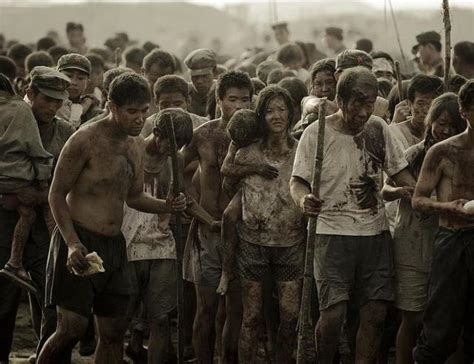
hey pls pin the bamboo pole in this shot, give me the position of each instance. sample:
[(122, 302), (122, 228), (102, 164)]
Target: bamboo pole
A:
[(398, 74), (398, 34), (308, 266), (177, 186), (447, 43)]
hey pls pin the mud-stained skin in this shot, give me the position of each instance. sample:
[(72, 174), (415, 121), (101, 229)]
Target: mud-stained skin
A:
[(372, 319), (252, 302)]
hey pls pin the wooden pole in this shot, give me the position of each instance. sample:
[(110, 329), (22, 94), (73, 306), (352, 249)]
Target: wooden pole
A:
[(398, 74), (397, 34), (447, 43), (117, 55), (177, 186), (305, 308)]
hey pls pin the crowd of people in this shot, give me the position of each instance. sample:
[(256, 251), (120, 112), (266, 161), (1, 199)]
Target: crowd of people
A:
[(95, 144)]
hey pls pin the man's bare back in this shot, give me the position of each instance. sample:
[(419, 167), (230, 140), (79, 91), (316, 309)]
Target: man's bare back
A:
[(209, 145), (107, 166)]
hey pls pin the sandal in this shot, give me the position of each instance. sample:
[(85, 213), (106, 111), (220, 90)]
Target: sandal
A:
[(18, 276)]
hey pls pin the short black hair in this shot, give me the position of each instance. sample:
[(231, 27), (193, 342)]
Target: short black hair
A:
[(456, 82), (112, 74), (43, 44), (6, 85), (182, 125), (277, 75), (57, 52), (231, 79), (97, 62), (352, 77), (162, 58), (243, 128), (382, 54), (129, 88), (8, 67), (18, 52), (103, 52), (148, 46), (466, 95), (465, 51), (247, 67), (424, 84), (169, 84), (135, 55), (295, 87), (263, 100), (436, 44), (290, 52), (38, 58), (365, 45), (323, 65), (258, 85), (265, 67)]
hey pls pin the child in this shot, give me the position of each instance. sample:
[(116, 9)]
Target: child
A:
[(23, 161)]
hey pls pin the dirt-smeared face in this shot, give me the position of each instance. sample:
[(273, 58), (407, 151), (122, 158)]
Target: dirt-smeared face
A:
[(420, 106), (357, 110), (324, 85), (203, 83), (130, 118), (79, 82), (276, 116), (44, 107), (168, 100), (443, 127), (233, 100)]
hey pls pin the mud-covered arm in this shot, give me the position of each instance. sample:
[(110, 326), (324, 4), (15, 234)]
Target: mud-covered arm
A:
[(72, 160)]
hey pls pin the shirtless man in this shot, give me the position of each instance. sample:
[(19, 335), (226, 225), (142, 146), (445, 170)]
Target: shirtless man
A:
[(99, 169), (449, 169), (209, 145)]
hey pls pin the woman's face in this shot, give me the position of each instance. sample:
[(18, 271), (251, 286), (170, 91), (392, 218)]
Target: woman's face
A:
[(443, 127), (276, 116)]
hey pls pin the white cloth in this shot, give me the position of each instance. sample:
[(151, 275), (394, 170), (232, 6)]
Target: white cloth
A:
[(351, 177)]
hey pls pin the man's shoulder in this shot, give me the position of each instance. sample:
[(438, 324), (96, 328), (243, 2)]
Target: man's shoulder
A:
[(208, 127)]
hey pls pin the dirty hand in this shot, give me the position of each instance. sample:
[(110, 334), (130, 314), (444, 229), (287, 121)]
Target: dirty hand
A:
[(456, 207), (76, 258), (311, 205), (402, 112), (267, 171), (178, 203), (406, 192), (27, 196)]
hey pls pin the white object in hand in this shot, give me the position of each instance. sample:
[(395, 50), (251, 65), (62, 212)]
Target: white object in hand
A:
[(469, 206), (95, 265)]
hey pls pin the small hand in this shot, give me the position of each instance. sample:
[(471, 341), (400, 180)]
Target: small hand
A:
[(178, 203), (267, 171), (406, 192), (76, 257), (311, 205), (402, 112)]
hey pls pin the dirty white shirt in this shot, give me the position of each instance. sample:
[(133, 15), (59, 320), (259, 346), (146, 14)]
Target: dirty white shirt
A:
[(351, 178)]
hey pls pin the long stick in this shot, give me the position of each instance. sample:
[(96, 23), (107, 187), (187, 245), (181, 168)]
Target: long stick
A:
[(308, 265), (398, 74), (447, 43), (397, 33), (178, 233), (117, 54)]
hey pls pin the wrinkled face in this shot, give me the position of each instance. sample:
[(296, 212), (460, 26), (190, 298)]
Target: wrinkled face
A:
[(79, 82), (203, 83), (130, 118), (420, 106), (76, 38), (357, 110), (276, 116), (155, 72), (170, 100), (324, 85), (443, 127), (233, 100), (44, 107), (281, 35)]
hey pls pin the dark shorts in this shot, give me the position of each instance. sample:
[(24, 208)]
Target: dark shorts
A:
[(153, 285), (356, 268), (104, 294), (450, 309), (285, 264)]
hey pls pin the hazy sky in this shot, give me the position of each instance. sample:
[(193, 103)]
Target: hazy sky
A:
[(397, 4)]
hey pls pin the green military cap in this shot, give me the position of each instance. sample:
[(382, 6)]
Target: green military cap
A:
[(280, 24), (74, 61), (50, 82), (353, 58), (334, 31), (201, 62)]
